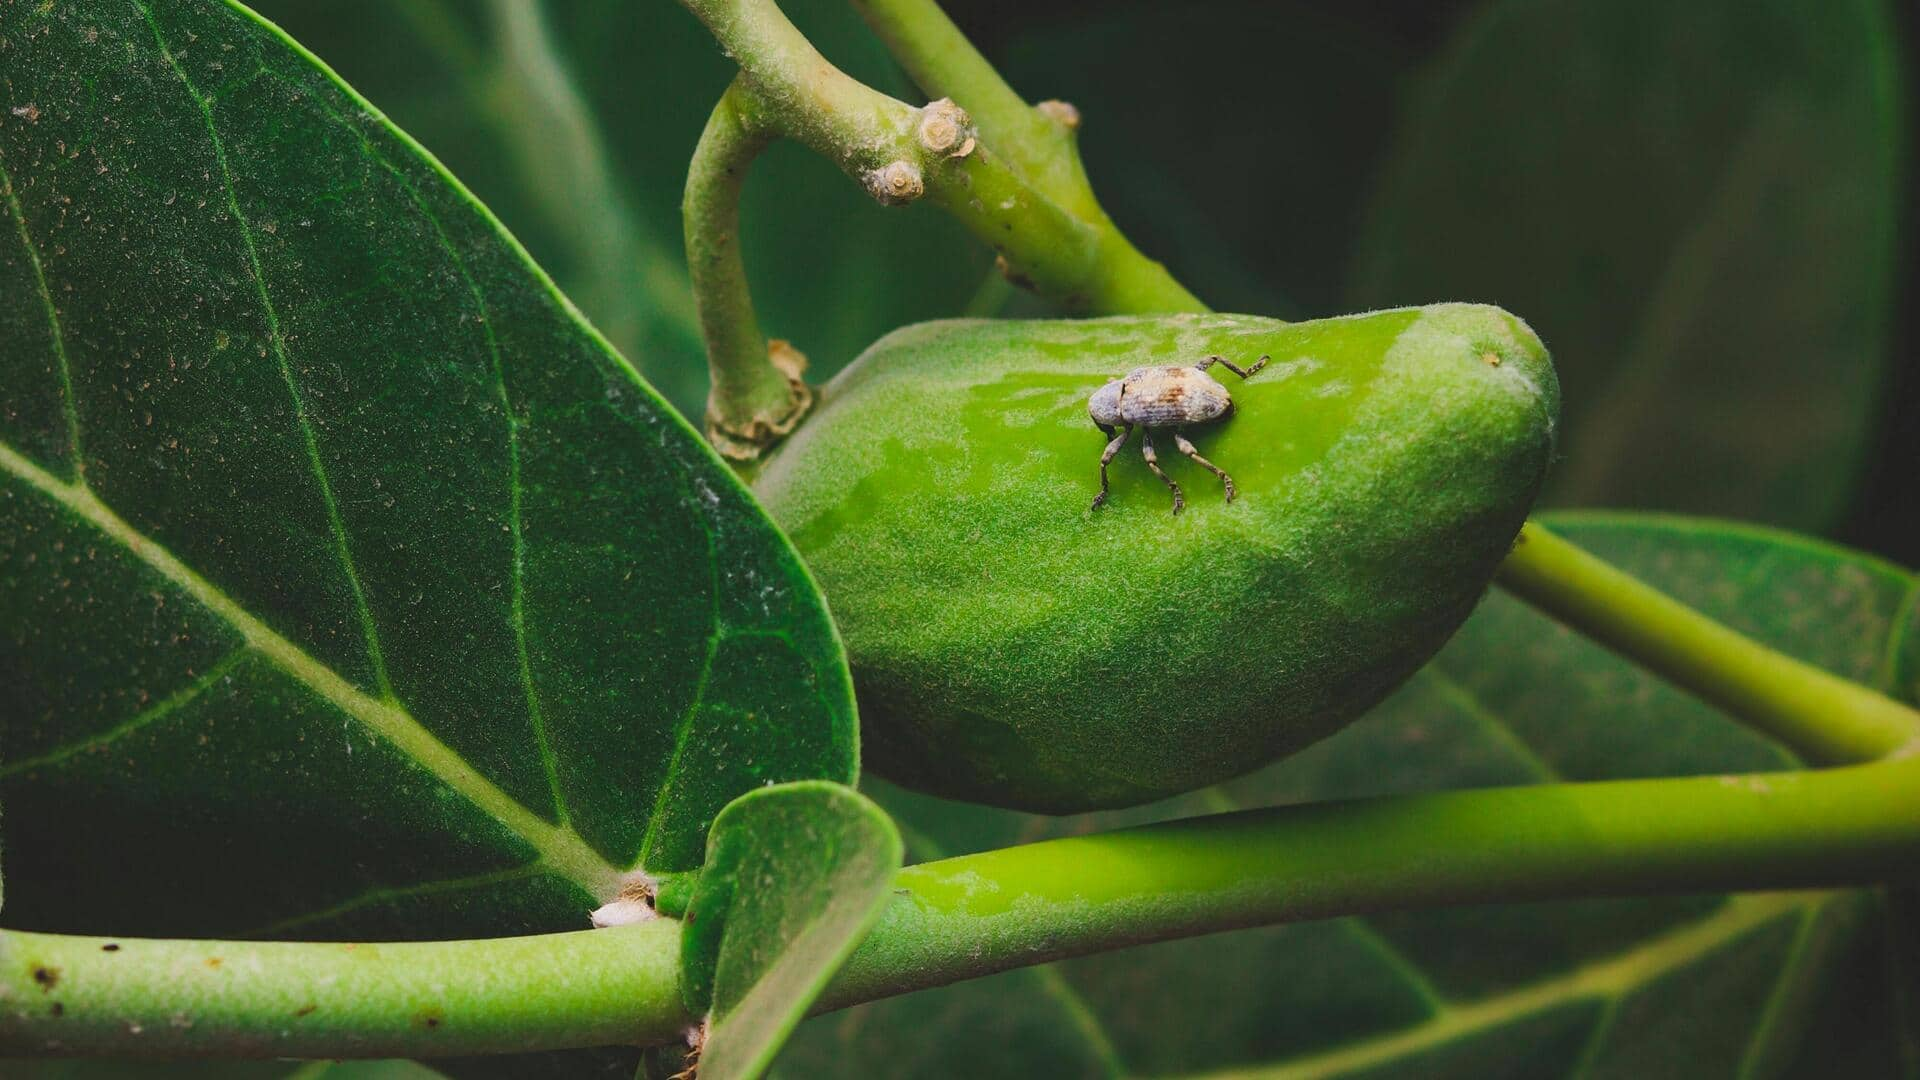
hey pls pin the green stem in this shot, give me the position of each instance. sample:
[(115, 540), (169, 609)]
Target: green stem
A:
[(1819, 715), (755, 397), (145, 998), (978, 914), (940, 60), (900, 154)]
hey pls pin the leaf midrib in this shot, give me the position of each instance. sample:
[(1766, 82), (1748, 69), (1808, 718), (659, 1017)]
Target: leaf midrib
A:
[(558, 847)]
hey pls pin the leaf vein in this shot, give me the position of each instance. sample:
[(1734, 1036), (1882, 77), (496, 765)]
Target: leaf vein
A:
[(335, 523), (1468, 703), (385, 893), (157, 711), (1084, 1020), (1906, 614), (536, 716), (684, 725), (1790, 965), (1604, 979), (1370, 936), (559, 847), (1596, 1039), (55, 332)]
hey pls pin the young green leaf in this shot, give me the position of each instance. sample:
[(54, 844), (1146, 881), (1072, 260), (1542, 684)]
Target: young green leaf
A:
[(1696, 203), (1703, 985), (350, 584), (794, 877)]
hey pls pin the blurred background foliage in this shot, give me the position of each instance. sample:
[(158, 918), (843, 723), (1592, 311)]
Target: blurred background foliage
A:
[(1703, 208)]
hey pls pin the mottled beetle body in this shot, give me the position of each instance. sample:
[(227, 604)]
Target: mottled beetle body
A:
[(1151, 398), (1160, 397)]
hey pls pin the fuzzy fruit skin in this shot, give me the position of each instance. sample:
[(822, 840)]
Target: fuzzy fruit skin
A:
[(1011, 647)]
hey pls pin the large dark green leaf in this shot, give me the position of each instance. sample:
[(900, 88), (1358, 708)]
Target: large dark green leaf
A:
[(1696, 205), (1688, 986), (349, 583), (574, 120)]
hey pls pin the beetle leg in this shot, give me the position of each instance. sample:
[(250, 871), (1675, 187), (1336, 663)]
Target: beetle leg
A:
[(1186, 448), (1146, 450), (1113, 448), (1231, 366)]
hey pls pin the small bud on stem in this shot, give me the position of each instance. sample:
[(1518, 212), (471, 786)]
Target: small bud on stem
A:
[(945, 128), (896, 183), (1060, 112)]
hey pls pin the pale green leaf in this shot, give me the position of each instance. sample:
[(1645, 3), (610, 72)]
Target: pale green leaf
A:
[(794, 877)]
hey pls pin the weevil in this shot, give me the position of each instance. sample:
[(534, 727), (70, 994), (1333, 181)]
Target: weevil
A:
[(1176, 397)]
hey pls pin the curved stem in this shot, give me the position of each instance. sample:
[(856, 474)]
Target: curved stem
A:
[(978, 914), (754, 399), (1823, 717), (891, 149)]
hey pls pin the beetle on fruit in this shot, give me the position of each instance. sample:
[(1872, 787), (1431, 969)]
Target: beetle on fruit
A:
[(997, 631), (1164, 397)]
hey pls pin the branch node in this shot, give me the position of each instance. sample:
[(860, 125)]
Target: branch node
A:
[(1060, 112), (632, 904), (945, 128), (896, 183), (747, 440)]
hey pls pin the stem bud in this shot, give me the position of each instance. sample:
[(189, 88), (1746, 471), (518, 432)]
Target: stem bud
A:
[(896, 183), (1060, 112), (945, 128)]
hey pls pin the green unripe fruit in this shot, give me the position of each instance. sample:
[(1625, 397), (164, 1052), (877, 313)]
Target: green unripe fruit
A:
[(1011, 646)]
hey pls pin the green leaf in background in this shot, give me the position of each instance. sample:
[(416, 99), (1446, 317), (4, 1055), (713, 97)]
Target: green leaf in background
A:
[(1759, 985), (574, 121), (350, 586), (794, 877), (1696, 203)]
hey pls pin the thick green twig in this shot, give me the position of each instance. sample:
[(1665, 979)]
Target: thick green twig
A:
[(757, 393), (974, 915), (900, 154), (1819, 715), (1039, 140), (129, 997)]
